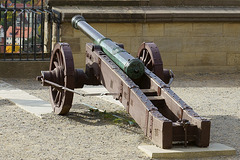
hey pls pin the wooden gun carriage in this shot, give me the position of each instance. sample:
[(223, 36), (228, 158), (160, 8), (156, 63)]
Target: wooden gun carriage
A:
[(140, 84)]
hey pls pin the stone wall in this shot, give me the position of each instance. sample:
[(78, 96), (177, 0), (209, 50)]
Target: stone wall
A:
[(197, 38), (22, 69), (199, 46)]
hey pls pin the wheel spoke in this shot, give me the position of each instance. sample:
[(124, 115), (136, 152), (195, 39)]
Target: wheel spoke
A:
[(54, 89), (57, 55), (143, 55), (151, 58), (60, 98), (149, 63), (145, 59), (57, 97), (55, 64), (59, 58)]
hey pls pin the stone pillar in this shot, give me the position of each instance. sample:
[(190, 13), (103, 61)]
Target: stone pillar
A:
[(54, 34), (46, 34)]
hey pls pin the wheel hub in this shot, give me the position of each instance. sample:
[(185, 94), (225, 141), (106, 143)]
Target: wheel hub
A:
[(56, 76)]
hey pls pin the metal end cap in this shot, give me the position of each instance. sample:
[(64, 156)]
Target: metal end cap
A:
[(76, 19), (134, 68)]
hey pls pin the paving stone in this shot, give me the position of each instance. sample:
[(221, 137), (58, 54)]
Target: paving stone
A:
[(38, 106), (24, 100), (214, 149)]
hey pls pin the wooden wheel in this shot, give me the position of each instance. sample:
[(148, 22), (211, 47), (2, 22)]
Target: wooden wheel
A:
[(149, 54), (62, 73)]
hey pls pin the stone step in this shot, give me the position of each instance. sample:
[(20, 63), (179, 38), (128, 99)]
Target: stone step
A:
[(24, 100), (180, 152)]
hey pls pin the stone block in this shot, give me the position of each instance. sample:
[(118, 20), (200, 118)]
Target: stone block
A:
[(126, 41), (79, 60), (212, 58), (169, 59), (83, 42), (231, 30), (78, 34), (232, 44), (124, 29), (24, 100), (22, 69), (169, 44), (203, 44), (73, 42), (207, 29), (186, 59), (66, 30), (177, 29), (233, 59), (137, 41), (178, 152), (148, 39), (100, 27), (153, 29), (135, 44), (202, 59)]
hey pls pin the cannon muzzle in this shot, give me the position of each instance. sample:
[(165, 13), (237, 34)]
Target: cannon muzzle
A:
[(133, 67)]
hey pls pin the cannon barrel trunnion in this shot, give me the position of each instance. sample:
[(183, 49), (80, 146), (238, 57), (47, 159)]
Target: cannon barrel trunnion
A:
[(140, 84)]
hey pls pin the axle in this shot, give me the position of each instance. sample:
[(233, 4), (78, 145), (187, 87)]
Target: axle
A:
[(61, 87), (133, 67)]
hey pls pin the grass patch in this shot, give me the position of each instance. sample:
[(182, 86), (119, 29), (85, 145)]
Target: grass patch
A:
[(118, 117)]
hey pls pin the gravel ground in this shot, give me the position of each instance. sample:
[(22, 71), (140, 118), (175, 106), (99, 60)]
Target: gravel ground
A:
[(83, 134)]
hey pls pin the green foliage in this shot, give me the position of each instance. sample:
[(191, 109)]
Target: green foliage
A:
[(9, 18), (93, 110), (39, 29), (29, 2), (31, 44), (119, 118)]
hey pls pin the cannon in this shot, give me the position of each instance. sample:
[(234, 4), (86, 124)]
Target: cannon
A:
[(140, 84)]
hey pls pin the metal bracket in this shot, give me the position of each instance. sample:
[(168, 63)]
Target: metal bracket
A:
[(56, 16)]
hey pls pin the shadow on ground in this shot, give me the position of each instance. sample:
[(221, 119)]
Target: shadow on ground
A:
[(84, 115), (225, 129)]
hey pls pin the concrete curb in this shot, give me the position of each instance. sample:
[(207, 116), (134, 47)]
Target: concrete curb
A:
[(38, 106), (214, 149), (24, 100)]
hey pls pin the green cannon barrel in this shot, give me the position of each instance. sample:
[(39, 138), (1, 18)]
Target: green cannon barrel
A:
[(133, 67)]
